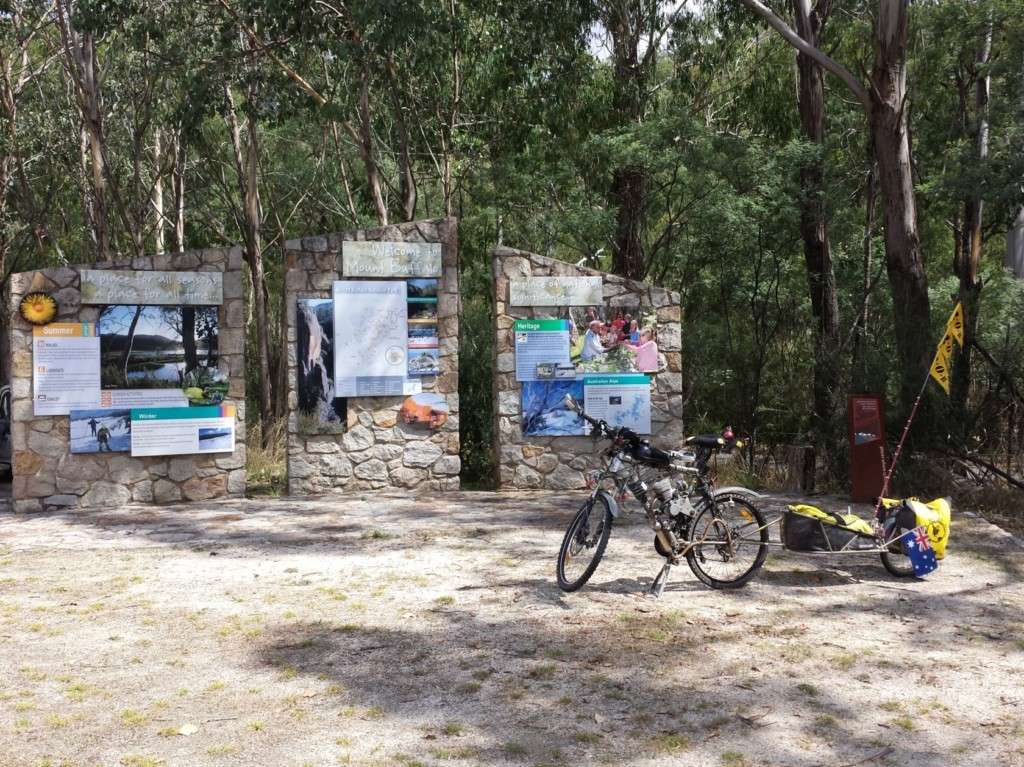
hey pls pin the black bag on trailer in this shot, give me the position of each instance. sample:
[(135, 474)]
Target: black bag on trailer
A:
[(811, 529)]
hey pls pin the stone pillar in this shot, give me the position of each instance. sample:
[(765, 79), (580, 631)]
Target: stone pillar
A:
[(558, 463), (376, 451), (48, 475)]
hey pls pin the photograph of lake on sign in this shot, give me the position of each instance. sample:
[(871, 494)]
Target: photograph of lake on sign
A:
[(155, 347)]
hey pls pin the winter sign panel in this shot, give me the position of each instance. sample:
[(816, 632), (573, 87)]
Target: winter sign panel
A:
[(371, 332), (183, 430)]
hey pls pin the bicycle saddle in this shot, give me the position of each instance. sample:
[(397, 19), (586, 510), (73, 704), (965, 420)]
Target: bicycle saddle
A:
[(706, 440)]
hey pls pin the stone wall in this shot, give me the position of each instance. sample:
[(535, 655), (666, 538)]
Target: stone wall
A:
[(377, 450), (559, 463), (48, 475)]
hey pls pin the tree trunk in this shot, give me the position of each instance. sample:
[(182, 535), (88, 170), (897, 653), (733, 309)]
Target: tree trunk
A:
[(178, 192), (364, 139), (247, 170), (406, 179), (129, 344), (626, 22), (821, 278), (158, 193), (966, 266), (188, 337), (885, 103), (887, 121)]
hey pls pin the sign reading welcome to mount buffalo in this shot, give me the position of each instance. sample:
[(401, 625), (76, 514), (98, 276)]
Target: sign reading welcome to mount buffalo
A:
[(556, 291), (102, 286), (390, 259)]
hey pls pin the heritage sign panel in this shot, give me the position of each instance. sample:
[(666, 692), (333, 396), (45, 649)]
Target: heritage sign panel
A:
[(152, 288), (556, 291), (390, 259)]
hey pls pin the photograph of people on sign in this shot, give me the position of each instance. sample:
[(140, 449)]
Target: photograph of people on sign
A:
[(158, 347), (544, 410), (616, 340), (104, 430), (320, 412)]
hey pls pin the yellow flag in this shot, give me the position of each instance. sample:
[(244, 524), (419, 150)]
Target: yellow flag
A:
[(940, 371), (955, 326), (946, 348)]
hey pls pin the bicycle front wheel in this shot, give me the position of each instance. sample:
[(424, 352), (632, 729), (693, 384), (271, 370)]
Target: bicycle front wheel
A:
[(584, 544), (729, 537)]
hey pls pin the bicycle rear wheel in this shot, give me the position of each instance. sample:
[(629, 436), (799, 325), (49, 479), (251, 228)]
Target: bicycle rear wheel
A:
[(729, 538), (584, 544)]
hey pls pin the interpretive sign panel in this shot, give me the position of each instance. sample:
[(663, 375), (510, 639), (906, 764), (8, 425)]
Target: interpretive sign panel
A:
[(543, 343), (183, 430), (66, 367), (619, 400), (390, 259), (556, 291), (370, 338), (103, 286)]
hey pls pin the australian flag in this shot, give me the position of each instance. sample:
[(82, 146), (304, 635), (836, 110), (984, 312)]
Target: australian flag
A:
[(919, 549)]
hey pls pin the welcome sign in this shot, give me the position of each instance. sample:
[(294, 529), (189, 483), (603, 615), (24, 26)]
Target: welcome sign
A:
[(103, 286), (390, 259)]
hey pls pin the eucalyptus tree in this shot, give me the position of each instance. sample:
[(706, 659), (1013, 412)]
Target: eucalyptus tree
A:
[(884, 99)]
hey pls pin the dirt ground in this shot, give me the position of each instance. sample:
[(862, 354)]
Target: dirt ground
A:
[(387, 631)]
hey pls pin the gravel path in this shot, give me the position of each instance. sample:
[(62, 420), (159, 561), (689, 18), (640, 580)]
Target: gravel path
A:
[(389, 631)]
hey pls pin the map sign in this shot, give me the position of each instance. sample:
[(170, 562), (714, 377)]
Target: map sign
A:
[(620, 400), (107, 286), (370, 338), (390, 259), (556, 291)]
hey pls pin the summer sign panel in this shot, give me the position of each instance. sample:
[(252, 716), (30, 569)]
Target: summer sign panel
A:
[(371, 333)]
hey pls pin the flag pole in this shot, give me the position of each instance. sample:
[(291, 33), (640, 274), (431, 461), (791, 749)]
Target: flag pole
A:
[(899, 445)]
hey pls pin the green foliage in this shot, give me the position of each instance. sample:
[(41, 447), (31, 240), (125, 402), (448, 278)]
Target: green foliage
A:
[(504, 113)]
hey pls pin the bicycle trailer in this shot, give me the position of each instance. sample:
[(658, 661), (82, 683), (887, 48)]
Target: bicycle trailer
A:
[(808, 528)]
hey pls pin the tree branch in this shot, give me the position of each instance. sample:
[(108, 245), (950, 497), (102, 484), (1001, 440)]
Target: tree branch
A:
[(809, 50)]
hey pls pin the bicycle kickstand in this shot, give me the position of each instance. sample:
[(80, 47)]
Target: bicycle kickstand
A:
[(658, 585)]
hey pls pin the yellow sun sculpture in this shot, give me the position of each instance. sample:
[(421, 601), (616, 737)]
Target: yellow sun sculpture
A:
[(38, 308)]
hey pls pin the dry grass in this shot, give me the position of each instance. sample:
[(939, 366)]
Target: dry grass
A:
[(266, 465)]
